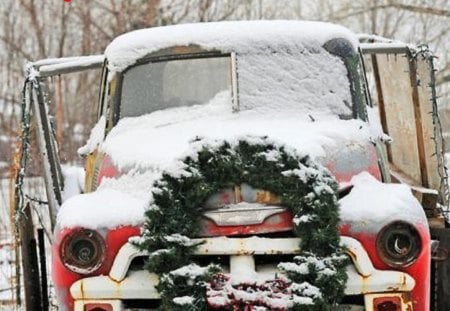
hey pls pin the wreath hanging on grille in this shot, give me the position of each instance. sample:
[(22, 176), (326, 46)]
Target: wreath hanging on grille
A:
[(315, 278)]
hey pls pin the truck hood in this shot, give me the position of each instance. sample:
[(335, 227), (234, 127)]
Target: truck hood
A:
[(143, 147)]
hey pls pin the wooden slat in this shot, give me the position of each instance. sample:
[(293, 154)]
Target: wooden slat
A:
[(418, 122), (381, 104)]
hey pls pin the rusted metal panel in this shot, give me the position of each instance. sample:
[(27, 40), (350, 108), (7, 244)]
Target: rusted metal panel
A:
[(249, 246)]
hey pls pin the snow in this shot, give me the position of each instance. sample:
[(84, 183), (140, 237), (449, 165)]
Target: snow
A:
[(376, 130), (307, 289), (62, 60), (385, 46), (32, 73), (102, 208), (171, 132), (238, 36), (96, 137), (192, 271), (73, 181), (263, 294), (185, 300), (70, 64), (6, 272), (117, 202), (293, 267), (297, 80), (372, 201)]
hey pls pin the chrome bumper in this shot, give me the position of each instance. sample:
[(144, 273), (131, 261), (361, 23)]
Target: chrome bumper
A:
[(122, 284)]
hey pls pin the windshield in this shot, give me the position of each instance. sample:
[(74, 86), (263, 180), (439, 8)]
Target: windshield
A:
[(174, 83), (306, 83)]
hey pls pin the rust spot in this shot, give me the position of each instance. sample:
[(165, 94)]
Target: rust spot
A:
[(267, 197), (440, 254), (407, 301), (352, 255), (82, 289), (241, 249), (402, 282), (365, 284), (237, 194), (182, 49), (387, 303)]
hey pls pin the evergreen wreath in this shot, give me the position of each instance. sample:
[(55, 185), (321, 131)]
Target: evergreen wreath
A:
[(316, 277)]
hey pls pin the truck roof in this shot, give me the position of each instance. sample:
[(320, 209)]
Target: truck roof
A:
[(237, 36)]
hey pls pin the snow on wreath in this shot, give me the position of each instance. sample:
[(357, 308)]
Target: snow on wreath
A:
[(314, 280)]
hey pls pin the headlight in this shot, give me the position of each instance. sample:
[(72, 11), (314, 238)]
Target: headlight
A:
[(82, 251), (399, 244)]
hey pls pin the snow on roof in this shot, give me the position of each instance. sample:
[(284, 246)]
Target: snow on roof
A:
[(238, 36)]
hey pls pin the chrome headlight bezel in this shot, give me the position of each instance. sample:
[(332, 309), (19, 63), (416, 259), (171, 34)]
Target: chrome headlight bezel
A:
[(399, 244), (82, 251)]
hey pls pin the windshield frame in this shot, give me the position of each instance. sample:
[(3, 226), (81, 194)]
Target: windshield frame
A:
[(351, 59)]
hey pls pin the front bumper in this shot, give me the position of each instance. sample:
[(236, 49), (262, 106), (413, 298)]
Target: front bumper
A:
[(123, 284)]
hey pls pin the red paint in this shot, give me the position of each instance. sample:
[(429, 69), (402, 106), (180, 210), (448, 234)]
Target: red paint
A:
[(419, 270), (345, 176), (63, 278), (107, 169), (98, 307)]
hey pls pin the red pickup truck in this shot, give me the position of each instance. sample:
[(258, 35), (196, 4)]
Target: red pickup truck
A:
[(289, 102)]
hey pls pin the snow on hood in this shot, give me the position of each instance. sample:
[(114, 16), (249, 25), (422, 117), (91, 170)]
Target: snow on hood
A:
[(146, 145), (238, 36), (155, 140)]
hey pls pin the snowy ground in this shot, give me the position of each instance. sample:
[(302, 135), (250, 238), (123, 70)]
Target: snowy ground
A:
[(6, 273)]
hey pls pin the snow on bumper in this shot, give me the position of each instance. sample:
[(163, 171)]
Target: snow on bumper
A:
[(122, 284)]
